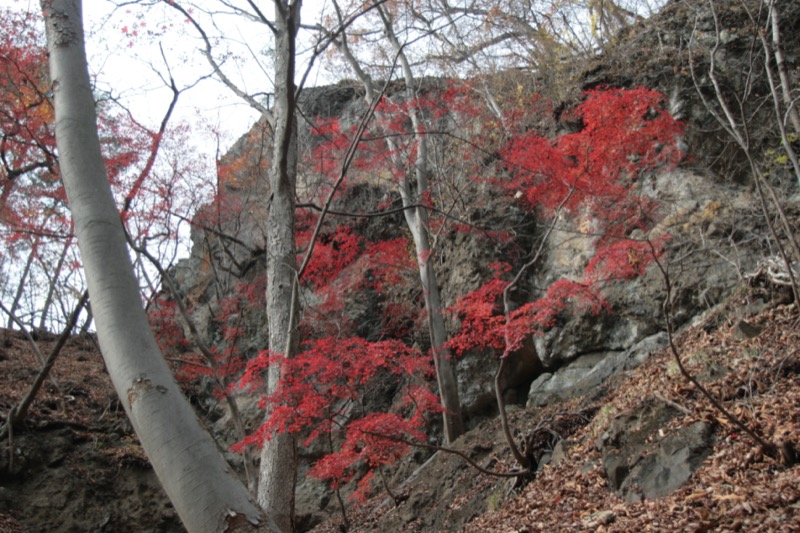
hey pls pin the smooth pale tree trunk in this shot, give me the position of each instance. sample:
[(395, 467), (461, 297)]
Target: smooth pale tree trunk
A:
[(206, 494), (417, 221), (278, 471)]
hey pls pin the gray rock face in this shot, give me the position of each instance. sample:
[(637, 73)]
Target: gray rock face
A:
[(641, 461), (584, 349), (635, 306), (590, 370), (577, 356)]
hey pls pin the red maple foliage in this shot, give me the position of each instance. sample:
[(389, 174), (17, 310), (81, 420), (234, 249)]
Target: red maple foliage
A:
[(596, 171), (162, 314), (34, 217), (626, 132), (226, 359), (30, 193), (32, 199), (381, 274), (321, 393), (35, 223), (332, 253)]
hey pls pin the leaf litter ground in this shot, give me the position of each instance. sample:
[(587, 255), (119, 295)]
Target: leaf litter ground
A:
[(77, 433), (736, 489)]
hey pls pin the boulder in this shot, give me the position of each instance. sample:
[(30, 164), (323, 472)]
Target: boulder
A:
[(643, 460), (476, 371), (590, 370)]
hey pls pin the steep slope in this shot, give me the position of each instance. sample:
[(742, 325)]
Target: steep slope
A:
[(592, 398), (77, 467), (75, 464), (735, 487)]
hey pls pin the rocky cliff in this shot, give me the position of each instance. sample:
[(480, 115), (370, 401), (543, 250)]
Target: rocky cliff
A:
[(709, 209), (595, 397)]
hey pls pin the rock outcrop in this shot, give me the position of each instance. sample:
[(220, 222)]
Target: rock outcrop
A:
[(643, 459), (715, 238)]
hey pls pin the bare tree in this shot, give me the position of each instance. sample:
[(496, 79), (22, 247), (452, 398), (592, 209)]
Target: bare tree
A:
[(54, 280), (412, 187), (278, 470), (23, 282), (204, 491), (738, 127)]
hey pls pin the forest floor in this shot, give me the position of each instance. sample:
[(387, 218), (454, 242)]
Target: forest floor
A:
[(74, 465), (737, 488)]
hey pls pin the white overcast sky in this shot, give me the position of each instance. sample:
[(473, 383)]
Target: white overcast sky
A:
[(124, 64)]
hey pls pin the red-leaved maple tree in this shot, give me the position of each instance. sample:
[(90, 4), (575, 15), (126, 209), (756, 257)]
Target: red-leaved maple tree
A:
[(323, 392), (595, 173)]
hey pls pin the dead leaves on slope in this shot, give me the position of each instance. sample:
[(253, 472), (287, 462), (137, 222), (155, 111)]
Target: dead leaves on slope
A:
[(737, 488)]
